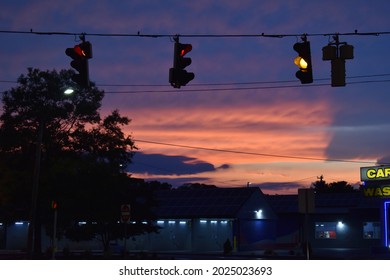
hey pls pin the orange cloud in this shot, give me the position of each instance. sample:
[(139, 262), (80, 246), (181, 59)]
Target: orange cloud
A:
[(296, 129)]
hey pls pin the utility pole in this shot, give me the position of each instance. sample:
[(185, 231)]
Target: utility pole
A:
[(33, 226)]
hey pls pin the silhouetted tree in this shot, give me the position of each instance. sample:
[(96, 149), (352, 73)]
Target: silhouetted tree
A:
[(335, 187), (75, 144), (192, 186), (341, 186), (98, 203)]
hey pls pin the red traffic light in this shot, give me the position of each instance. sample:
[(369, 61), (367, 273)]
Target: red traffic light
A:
[(184, 49), (178, 76), (80, 54), (83, 50), (79, 51)]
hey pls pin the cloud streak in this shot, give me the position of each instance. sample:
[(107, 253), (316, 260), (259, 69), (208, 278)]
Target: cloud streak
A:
[(158, 164)]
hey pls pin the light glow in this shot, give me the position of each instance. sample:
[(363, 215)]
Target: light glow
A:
[(258, 214), (300, 62), (385, 206), (340, 225), (68, 91)]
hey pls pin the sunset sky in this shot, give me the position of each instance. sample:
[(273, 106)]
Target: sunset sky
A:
[(245, 117)]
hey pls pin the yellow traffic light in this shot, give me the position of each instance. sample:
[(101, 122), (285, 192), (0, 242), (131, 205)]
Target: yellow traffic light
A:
[(300, 62), (303, 61)]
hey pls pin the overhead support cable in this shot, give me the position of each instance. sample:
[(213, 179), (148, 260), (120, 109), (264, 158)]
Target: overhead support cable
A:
[(139, 34), (254, 154)]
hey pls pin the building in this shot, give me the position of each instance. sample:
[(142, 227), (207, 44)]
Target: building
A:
[(202, 220), (348, 222), (217, 220)]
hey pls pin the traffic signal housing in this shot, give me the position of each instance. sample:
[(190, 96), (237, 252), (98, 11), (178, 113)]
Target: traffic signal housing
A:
[(338, 72), (337, 56), (178, 76), (80, 54), (303, 61)]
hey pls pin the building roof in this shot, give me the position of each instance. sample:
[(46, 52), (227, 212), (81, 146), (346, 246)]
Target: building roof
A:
[(243, 202), (325, 202), (204, 203), (283, 203)]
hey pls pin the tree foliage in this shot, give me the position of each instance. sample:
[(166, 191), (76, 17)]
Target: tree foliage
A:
[(83, 154), (334, 187)]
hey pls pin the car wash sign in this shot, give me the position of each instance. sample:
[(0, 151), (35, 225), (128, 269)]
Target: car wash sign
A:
[(375, 173), (376, 180)]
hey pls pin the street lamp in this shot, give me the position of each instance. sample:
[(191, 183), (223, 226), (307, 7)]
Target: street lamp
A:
[(68, 91), (33, 229)]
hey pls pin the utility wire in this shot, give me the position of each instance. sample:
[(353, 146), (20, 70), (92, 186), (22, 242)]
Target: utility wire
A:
[(243, 88), (253, 154), (225, 84), (231, 84), (139, 34)]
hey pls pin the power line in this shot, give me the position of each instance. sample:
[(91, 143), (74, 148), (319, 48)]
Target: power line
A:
[(237, 83), (242, 88), (253, 154), (232, 84), (224, 84), (139, 34)]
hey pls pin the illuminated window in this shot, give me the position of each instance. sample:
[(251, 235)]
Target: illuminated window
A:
[(326, 230), (371, 230)]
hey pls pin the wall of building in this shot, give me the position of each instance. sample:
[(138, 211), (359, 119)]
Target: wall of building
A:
[(2, 236), (360, 228), (211, 234), (350, 228), (175, 235), (256, 234)]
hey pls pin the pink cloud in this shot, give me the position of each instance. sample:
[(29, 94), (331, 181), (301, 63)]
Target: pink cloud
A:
[(284, 129)]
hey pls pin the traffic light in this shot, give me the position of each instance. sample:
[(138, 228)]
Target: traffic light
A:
[(337, 52), (80, 54), (54, 204), (178, 76), (303, 61)]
